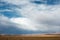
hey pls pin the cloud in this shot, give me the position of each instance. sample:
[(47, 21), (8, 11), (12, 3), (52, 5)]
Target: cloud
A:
[(28, 24), (5, 10), (8, 27), (8, 9), (47, 2), (40, 17), (17, 2), (24, 2), (47, 15), (5, 21), (15, 26)]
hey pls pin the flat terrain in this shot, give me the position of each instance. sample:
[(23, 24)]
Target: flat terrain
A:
[(30, 37)]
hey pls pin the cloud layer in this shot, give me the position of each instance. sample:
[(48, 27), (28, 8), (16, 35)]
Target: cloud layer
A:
[(36, 17)]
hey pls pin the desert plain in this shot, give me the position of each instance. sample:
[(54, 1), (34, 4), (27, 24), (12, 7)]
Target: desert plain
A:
[(31, 37)]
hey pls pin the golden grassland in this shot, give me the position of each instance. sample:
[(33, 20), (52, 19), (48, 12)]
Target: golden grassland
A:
[(30, 37)]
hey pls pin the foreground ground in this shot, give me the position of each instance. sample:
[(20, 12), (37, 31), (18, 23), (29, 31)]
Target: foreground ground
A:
[(30, 37)]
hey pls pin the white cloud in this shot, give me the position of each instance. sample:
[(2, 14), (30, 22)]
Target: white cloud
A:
[(17, 2), (5, 10), (4, 21), (22, 23), (28, 24), (37, 17), (47, 15)]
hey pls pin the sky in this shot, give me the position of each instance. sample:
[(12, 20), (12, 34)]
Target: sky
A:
[(29, 16)]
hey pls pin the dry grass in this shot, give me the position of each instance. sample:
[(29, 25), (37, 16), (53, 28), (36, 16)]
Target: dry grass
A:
[(29, 37)]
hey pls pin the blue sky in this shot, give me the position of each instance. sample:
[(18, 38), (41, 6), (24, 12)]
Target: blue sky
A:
[(29, 16)]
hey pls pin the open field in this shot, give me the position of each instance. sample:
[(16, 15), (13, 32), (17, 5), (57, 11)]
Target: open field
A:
[(30, 37)]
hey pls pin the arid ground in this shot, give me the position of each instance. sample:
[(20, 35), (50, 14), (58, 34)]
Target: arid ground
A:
[(30, 37)]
